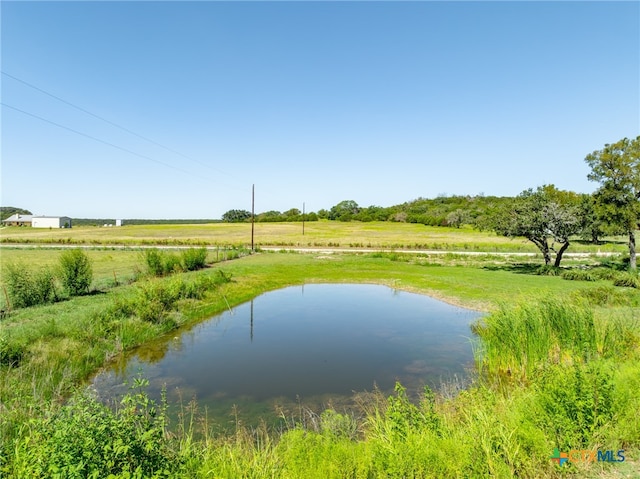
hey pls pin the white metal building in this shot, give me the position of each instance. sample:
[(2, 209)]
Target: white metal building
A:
[(51, 222)]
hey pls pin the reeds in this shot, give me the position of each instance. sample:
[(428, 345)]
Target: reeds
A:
[(518, 340)]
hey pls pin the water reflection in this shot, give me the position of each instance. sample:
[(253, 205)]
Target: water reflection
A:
[(315, 345)]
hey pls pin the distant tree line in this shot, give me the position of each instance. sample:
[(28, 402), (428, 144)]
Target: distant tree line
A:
[(548, 217), (442, 211), (112, 221)]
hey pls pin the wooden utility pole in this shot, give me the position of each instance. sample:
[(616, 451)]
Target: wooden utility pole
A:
[(253, 213), (302, 218)]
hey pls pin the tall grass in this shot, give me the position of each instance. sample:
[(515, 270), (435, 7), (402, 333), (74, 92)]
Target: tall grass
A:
[(518, 340)]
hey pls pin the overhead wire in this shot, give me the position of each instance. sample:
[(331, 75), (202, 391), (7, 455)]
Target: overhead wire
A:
[(116, 125), (96, 139), (84, 110)]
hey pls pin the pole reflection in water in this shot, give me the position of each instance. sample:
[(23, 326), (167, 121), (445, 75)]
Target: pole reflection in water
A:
[(319, 342)]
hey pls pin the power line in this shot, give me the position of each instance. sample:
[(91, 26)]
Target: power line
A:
[(102, 141), (112, 123)]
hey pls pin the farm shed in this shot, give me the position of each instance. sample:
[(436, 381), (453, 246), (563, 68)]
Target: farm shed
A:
[(51, 222), (18, 220)]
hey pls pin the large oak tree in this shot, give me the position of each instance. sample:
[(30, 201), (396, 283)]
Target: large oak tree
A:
[(617, 168), (547, 217)]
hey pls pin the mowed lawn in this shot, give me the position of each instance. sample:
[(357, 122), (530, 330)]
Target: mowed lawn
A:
[(316, 234)]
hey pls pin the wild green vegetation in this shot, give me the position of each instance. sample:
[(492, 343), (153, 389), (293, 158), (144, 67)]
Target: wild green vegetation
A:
[(162, 263), (76, 273), (567, 379), (26, 286)]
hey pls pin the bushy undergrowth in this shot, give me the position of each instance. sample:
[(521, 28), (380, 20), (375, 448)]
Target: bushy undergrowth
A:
[(87, 439), (76, 272), (194, 259), (162, 263), (154, 300), (577, 402), (578, 275), (27, 286), (483, 432), (627, 279), (605, 295), (548, 270)]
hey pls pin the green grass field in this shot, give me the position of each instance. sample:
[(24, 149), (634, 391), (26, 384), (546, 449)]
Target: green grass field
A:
[(317, 234), (504, 425)]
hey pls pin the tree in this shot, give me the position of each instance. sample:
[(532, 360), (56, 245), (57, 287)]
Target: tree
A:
[(294, 214), (540, 216), (236, 216), (617, 168), (344, 211), (457, 218), (592, 226)]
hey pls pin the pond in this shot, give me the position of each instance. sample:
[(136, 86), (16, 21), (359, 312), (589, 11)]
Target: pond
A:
[(312, 346)]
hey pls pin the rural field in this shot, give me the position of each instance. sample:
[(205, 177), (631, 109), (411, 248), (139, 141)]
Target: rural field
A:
[(557, 366), (317, 234)]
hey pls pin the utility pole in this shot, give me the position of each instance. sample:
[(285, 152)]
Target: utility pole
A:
[(253, 213), (303, 218)]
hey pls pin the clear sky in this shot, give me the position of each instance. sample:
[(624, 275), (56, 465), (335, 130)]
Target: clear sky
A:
[(314, 102)]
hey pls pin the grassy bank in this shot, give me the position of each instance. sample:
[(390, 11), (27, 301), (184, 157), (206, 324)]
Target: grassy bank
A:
[(505, 425)]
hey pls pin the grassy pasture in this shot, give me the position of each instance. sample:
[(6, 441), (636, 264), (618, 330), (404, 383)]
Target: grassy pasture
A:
[(317, 234)]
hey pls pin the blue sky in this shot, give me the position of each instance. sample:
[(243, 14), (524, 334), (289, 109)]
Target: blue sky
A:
[(314, 102)]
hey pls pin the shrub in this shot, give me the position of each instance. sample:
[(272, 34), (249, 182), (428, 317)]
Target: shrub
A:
[(76, 272), (625, 279), (578, 275), (153, 260), (602, 295), (87, 439), (26, 287), (194, 258), (577, 401), (155, 299), (604, 273), (548, 270), (161, 263)]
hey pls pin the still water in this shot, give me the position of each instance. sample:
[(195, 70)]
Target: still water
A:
[(314, 345)]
